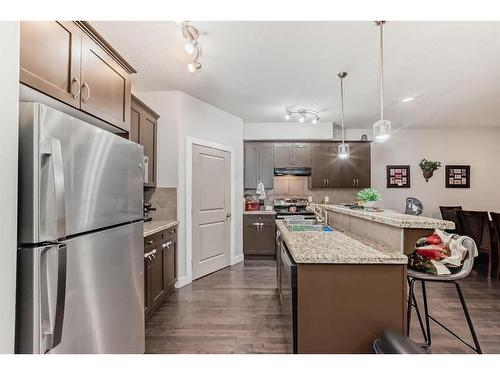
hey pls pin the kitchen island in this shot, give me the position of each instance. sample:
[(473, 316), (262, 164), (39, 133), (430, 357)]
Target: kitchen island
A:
[(388, 228), (339, 289)]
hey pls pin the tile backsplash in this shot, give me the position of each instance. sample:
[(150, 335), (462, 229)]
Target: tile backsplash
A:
[(297, 187), (165, 202)]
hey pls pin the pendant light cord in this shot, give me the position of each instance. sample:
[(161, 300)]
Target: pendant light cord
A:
[(382, 70), (342, 106)]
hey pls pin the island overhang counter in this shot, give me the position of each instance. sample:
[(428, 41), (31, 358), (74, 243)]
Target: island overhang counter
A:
[(347, 289), (393, 229)]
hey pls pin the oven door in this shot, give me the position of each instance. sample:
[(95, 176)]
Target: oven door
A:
[(288, 297)]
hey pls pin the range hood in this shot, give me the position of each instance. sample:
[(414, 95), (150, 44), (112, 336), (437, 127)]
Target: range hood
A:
[(292, 171)]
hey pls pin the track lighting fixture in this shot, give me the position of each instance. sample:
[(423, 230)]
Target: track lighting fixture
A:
[(191, 34), (302, 113)]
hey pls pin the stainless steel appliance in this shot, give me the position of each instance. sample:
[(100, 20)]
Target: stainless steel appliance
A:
[(80, 260), (286, 207), (287, 289)]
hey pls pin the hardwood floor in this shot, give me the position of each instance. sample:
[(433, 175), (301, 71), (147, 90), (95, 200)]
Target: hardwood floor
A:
[(237, 310)]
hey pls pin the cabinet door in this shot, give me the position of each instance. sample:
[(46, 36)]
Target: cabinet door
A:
[(105, 91), (156, 275), (251, 170), (267, 232), (363, 165), (265, 167), (301, 155), (147, 282), (170, 264), (318, 168), (347, 169), (134, 124), (282, 155), (250, 234), (147, 138), (50, 59), (332, 164)]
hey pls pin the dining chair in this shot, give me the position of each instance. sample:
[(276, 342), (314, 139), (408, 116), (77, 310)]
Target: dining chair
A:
[(450, 213), (476, 224), (495, 218)]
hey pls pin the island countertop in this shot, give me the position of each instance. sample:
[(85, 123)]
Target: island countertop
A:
[(336, 248), (392, 218)]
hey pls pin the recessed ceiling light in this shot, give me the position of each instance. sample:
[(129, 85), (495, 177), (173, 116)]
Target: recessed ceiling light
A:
[(406, 100)]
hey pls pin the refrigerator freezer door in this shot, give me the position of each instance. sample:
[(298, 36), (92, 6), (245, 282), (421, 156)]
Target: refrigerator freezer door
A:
[(104, 310), (74, 177), (41, 291)]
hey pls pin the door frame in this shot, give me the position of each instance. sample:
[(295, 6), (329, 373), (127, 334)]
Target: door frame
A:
[(190, 141)]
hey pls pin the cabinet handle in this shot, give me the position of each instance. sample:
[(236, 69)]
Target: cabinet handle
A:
[(152, 252), (327, 182), (172, 231), (167, 244), (88, 91), (357, 182), (78, 85), (150, 242), (354, 182)]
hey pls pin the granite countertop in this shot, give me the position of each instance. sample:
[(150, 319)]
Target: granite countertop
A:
[(155, 226), (392, 218), (260, 212), (336, 248)]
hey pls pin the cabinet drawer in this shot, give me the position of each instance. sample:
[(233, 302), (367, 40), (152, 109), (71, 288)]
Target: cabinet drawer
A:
[(155, 239)]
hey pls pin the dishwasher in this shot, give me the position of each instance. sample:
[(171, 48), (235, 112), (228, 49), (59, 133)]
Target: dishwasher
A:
[(287, 289)]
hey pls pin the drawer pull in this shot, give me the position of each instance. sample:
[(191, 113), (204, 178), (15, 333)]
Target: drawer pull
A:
[(167, 244), (150, 242), (150, 253)]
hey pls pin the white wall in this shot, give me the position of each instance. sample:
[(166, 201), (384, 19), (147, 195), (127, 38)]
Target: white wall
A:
[(183, 116), (9, 104), (475, 147), (296, 130), (201, 120), (166, 104)]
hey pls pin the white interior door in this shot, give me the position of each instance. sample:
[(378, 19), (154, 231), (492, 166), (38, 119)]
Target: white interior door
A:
[(211, 214)]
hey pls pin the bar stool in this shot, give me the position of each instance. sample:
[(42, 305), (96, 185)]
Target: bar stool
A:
[(450, 213), (476, 225), (495, 217), (414, 276)]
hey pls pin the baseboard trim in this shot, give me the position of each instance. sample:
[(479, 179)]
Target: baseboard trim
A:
[(183, 281), (237, 259)]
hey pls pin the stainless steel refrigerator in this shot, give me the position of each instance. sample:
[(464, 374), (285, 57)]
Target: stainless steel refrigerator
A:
[(80, 285)]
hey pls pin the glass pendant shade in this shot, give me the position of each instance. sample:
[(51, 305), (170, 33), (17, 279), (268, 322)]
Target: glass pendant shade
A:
[(382, 131), (343, 151)]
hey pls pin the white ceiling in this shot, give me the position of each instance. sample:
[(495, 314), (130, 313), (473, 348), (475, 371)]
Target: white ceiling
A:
[(255, 69)]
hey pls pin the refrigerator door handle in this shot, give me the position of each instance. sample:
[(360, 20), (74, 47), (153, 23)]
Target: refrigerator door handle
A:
[(52, 147), (52, 307)]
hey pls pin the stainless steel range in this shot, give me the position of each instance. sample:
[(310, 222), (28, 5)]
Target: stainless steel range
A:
[(286, 207)]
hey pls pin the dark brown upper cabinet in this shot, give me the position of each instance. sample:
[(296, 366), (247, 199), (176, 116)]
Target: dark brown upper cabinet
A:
[(325, 165), (143, 130), (71, 62), (50, 59), (292, 155), (258, 165), (105, 91), (355, 172)]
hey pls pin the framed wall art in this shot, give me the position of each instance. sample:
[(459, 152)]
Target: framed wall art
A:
[(398, 176), (457, 176)]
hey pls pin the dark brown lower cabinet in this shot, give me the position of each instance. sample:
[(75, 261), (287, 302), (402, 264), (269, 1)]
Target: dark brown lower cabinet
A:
[(160, 268), (258, 235)]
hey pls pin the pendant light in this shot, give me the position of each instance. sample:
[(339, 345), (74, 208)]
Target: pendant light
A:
[(382, 128), (343, 148)]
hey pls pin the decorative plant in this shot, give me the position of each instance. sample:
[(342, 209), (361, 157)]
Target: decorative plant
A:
[(368, 195), (428, 167)]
